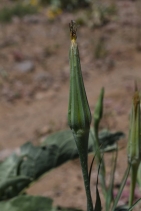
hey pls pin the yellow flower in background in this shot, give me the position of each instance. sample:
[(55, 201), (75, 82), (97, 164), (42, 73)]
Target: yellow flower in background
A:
[(34, 2), (53, 12)]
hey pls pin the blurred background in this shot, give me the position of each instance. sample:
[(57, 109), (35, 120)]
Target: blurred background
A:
[(34, 76)]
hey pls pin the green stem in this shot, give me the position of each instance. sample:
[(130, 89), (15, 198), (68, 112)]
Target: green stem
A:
[(98, 156), (134, 170), (82, 147), (123, 182)]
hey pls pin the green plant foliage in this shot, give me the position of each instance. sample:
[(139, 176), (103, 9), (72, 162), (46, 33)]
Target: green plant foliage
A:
[(102, 13), (100, 51), (67, 4), (18, 171), (64, 139), (20, 10), (98, 206), (31, 203)]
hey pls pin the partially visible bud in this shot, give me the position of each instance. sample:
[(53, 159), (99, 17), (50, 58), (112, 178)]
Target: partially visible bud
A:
[(79, 115), (134, 142), (98, 112)]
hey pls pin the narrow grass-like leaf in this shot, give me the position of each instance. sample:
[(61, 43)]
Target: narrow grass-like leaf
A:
[(97, 117), (123, 182), (134, 204), (98, 206), (90, 171), (109, 197), (92, 166)]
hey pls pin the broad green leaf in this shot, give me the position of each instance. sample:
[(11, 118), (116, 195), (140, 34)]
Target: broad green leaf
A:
[(10, 185), (31, 203), (34, 161), (106, 139), (27, 203)]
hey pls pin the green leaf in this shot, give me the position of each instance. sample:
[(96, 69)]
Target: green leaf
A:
[(30, 203), (109, 196), (65, 140), (10, 185), (107, 139), (90, 171), (98, 206), (27, 203), (34, 161), (123, 182), (131, 208)]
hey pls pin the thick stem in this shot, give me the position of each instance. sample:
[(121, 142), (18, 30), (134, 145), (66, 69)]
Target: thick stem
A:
[(82, 146)]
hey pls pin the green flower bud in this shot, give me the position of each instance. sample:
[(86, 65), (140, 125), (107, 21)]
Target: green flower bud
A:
[(79, 115)]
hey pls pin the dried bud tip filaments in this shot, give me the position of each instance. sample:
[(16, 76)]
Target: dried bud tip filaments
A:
[(73, 30)]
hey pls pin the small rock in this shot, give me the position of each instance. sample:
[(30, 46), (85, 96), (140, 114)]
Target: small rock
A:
[(42, 76), (64, 74), (51, 94), (56, 87), (110, 28), (25, 66), (33, 19), (16, 20), (40, 95), (43, 80), (17, 56), (43, 131)]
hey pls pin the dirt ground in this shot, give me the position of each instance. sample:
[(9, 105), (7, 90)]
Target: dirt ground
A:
[(34, 100)]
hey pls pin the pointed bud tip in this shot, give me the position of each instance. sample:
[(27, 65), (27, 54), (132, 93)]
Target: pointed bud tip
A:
[(73, 30)]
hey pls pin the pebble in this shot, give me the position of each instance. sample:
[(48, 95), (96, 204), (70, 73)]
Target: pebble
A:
[(43, 131), (34, 19), (43, 80), (42, 76), (25, 66), (112, 27)]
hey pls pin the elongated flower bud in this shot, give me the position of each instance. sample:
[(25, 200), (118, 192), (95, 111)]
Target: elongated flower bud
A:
[(134, 143), (79, 116)]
